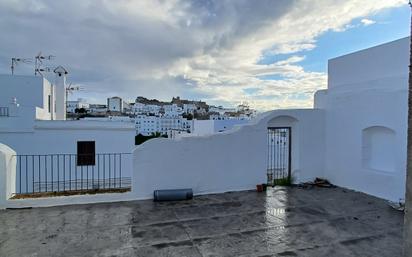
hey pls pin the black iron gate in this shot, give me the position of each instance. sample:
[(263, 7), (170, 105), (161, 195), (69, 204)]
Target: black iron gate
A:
[(279, 156)]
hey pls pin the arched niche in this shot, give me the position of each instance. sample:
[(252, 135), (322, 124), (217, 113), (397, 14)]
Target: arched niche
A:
[(282, 121), (378, 148)]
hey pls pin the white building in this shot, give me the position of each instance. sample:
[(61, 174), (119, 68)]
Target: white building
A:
[(115, 104), (147, 124), (172, 110), (150, 124), (126, 119), (189, 108), (98, 109), (366, 119), (36, 96), (126, 108), (35, 126), (71, 106), (209, 127), (221, 110), (141, 108), (168, 123)]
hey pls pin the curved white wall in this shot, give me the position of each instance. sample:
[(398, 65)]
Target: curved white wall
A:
[(7, 173), (230, 161)]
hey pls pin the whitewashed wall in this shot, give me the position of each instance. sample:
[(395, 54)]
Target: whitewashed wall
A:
[(203, 127), (30, 91), (367, 89), (8, 181), (60, 137), (7, 174), (208, 127), (230, 161)]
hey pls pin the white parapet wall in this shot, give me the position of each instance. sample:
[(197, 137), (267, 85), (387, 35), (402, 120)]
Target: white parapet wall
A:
[(7, 173), (230, 161), (8, 186)]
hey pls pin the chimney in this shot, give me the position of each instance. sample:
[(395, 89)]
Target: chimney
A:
[(60, 85)]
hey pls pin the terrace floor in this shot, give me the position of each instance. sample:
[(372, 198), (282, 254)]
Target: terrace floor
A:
[(281, 222)]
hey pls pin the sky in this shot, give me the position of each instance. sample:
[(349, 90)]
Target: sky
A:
[(269, 53)]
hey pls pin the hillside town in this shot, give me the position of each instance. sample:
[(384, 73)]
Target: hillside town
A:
[(206, 128), (178, 117)]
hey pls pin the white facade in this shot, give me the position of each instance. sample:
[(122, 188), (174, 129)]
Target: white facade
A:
[(140, 108), (31, 93), (97, 108), (174, 123), (189, 108), (209, 127), (29, 129), (221, 110), (115, 104), (60, 94), (126, 119), (127, 108), (50, 137), (149, 124), (366, 119), (71, 106), (172, 110)]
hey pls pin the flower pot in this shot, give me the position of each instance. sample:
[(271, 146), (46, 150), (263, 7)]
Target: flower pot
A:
[(259, 188)]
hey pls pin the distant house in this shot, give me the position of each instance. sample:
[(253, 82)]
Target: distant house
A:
[(97, 109), (72, 106), (115, 104)]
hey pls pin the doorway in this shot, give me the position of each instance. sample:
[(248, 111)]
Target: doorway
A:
[(279, 156)]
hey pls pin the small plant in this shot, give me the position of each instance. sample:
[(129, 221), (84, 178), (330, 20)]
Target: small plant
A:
[(287, 181)]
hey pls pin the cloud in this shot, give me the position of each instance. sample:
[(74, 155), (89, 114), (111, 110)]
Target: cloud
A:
[(207, 49), (367, 22)]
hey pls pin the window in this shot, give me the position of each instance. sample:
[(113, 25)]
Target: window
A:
[(49, 103), (86, 152)]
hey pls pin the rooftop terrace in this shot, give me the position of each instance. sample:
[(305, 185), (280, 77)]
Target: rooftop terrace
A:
[(283, 221)]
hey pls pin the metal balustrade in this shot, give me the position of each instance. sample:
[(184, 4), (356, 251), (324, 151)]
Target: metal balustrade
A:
[(65, 173)]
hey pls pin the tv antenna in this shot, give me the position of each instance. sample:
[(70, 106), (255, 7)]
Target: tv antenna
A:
[(15, 61), (38, 63), (70, 90)]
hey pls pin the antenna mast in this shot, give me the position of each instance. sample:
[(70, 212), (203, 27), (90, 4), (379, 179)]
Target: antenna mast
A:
[(38, 63), (15, 61)]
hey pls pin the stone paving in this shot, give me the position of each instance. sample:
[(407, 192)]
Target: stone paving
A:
[(284, 221)]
